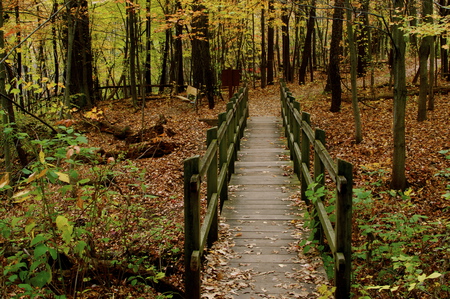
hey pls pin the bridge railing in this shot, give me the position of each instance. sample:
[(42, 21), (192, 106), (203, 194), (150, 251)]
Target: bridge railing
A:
[(301, 138), (215, 168)]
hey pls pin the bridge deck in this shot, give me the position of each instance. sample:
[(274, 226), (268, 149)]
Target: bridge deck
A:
[(261, 215)]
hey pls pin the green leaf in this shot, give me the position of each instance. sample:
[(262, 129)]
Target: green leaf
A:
[(65, 227), (412, 286), (421, 278), (53, 253), (29, 227), (26, 287), (41, 279), (40, 250), (79, 248), (39, 238), (434, 275), (35, 265)]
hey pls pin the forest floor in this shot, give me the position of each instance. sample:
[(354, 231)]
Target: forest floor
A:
[(139, 221)]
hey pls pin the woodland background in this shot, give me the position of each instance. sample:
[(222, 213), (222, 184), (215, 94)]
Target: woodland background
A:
[(93, 138)]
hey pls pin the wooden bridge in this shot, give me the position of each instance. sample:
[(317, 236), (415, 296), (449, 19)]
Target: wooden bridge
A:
[(254, 181)]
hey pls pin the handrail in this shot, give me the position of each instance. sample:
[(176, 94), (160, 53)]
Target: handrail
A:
[(300, 137), (217, 165)]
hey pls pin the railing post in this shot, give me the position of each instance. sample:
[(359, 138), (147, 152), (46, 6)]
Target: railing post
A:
[(247, 113), (305, 156), (344, 229), (211, 187), (223, 148), (296, 131), (319, 169), (191, 226), (290, 101), (231, 130)]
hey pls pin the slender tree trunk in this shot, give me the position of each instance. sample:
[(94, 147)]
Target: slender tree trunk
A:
[(424, 53), (399, 74), (363, 41), (353, 73), (164, 69), (71, 25), (55, 49), (178, 55), (431, 75), (133, 46), (19, 58), (148, 44), (334, 75), (5, 135), (306, 55), (263, 50), (270, 45), (286, 45)]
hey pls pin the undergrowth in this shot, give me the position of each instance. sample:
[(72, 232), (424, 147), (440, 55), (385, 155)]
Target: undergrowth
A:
[(397, 253), (63, 217)]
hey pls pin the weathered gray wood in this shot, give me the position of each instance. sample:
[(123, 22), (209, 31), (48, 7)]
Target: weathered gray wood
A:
[(259, 211)]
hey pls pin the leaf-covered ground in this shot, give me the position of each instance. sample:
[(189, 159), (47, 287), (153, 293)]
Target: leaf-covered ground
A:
[(134, 212)]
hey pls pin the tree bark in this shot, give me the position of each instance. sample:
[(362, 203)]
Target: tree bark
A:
[(400, 92), (431, 79), (263, 50), (353, 73), (286, 45), (178, 54), (424, 53), (55, 49), (334, 75), (203, 74), (5, 135), (148, 44), (270, 45), (363, 41), (79, 71), (133, 48), (443, 11), (163, 79), (306, 55)]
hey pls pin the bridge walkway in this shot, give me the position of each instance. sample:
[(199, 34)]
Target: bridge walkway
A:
[(262, 218)]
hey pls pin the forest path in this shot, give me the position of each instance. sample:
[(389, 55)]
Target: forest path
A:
[(262, 218)]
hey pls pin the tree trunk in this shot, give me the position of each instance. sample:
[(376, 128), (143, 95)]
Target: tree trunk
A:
[(55, 49), (263, 50), (424, 53), (431, 79), (163, 79), (203, 74), (363, 41), (79, 74), (270, 45), (334, 75), (5, 135), (133, 46), (400, 92), (148, 44), (443, 11), (353, 73), (178, 55), (285, 44), (306, 55)]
